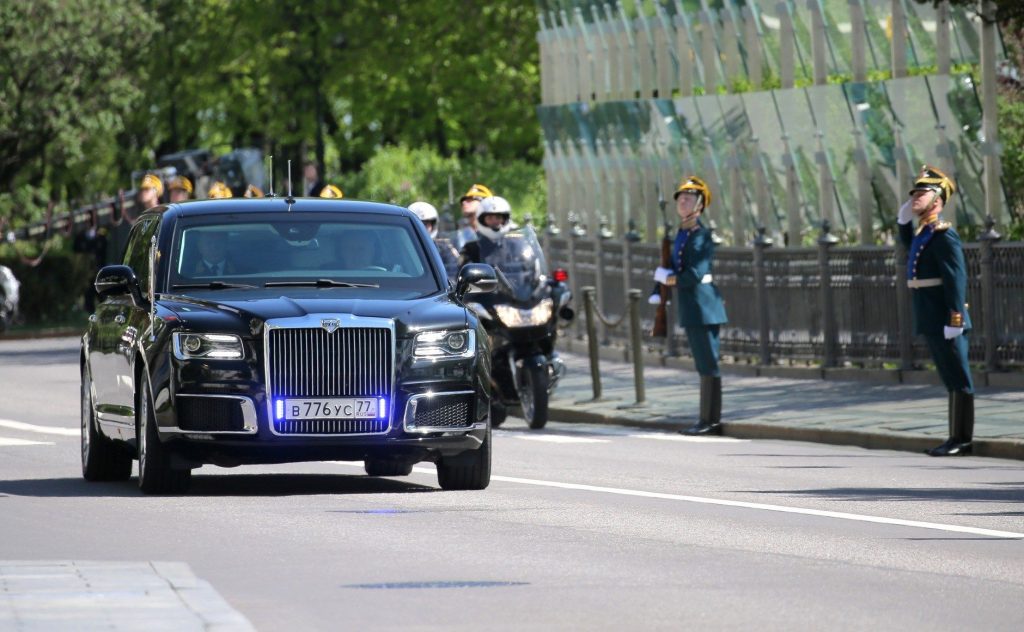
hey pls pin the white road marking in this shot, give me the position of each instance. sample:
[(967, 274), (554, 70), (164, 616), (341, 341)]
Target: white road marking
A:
[(553, 438), (6, 441), (936, 526), (19, 425)]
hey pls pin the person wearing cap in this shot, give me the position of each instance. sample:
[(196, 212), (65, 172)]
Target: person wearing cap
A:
[(253, 191), (150, 190), (937, 277), (699, 306), (219, 190), (427, 213), (179, 188), (331, 191), (470, 208), (493, 221)]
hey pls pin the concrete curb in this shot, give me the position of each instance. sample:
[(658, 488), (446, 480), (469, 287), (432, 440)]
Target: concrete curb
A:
[(873, 440)]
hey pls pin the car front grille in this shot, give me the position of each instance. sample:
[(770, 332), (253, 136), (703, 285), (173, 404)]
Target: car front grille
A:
[(309, 362)]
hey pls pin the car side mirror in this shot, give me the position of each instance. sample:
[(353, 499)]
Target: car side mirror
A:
[(118, 281), (475, 278)]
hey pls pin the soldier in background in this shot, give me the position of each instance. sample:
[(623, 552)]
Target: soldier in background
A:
[(937, 276), (219, 190), (253, 191), (470, 207), (331, 191), (179, 189), (150, 190), (700, 307)]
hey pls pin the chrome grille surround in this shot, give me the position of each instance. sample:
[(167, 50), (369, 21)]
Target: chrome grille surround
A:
[(439, 418), (296, 350)]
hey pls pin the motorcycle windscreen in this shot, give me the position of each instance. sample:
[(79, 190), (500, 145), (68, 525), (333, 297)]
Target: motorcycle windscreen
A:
[(520, 263)]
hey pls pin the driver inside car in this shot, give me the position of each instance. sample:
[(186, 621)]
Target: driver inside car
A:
[(355, 250)]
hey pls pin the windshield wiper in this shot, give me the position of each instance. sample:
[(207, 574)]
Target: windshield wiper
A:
[(318, 283), (212, 285)]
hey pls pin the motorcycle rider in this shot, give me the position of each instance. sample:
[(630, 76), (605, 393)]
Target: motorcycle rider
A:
[(470, 208), (493, 221), (449, 255)]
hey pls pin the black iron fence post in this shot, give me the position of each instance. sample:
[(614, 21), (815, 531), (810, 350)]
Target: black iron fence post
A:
[(761, 243), (574, 272), (988, 294), (600, 236), (828, 316), (636, 346), (903, 315), (591, 322), (631, 237)]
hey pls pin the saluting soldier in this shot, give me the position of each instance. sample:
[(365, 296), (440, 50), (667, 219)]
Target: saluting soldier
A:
[(219, 191), (470, 203), (150, 190), (937, 276), (700, 307), (179, 189)]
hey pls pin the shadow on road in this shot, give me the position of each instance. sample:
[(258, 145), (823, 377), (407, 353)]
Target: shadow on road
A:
[(992, 493), (39, 357), (249, 485)]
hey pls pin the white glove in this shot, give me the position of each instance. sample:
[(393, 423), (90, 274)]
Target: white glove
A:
[(952, 332), (661, 275), (906, 213), (654, 299)]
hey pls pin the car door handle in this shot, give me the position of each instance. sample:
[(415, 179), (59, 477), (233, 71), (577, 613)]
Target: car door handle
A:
[(119, 319)]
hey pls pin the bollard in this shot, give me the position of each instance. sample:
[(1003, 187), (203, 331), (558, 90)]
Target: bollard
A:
[(988, 297), (591, 322), (636, 342), (903, 314), (829, 328)]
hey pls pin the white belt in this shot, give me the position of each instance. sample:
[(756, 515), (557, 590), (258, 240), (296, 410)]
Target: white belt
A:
[(916, 283), (706, 278)]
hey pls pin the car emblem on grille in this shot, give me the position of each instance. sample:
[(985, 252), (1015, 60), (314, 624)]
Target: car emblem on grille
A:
[(330, 324)]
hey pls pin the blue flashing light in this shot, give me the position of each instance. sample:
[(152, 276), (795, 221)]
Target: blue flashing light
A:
[(279, 409), (382, 407)]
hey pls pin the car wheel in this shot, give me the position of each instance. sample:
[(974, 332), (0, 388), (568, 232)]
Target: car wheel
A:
[(380, 467), (469, 470), (156, 476), (102, 459)]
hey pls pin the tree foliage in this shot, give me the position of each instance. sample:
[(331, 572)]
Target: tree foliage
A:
[(100, 88)]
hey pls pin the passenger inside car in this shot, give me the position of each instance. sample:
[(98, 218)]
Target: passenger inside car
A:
[(356, 250), (213, 259)]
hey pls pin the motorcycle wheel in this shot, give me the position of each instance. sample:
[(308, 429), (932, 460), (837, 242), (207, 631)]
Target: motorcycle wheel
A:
[(533, 385)]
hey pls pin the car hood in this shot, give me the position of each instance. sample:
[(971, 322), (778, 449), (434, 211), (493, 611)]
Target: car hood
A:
[(248, 311)]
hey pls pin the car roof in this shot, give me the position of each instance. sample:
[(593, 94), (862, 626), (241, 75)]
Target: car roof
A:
[(196, 208)]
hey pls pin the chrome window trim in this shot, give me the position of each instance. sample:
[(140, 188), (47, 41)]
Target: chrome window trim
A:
[(314, 321), (249, 421), (409, 414)]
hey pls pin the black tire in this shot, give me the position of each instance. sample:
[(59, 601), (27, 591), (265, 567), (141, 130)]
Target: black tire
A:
[(469, 470), (498, 414), (380, 467), (102, 459), (156, 476), (533, 395)]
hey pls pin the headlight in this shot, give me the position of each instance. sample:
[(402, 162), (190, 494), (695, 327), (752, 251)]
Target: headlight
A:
[(207, 346), (443, 345), (515, 317)]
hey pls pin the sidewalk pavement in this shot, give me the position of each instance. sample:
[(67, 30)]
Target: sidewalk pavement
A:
[(882, 416)]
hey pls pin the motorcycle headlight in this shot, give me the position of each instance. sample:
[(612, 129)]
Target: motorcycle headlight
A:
[(443, 345), (532, 317), (207, 346)]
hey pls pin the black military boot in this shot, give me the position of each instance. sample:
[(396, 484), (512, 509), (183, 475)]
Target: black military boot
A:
[(710, 421), (961, 426)]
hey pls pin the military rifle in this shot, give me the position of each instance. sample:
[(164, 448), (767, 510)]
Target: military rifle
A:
[(660, 329)]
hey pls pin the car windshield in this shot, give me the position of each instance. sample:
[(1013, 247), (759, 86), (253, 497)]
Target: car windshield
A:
[(343, 251)]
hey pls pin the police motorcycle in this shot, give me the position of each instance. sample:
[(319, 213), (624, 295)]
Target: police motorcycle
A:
[(521, 319)]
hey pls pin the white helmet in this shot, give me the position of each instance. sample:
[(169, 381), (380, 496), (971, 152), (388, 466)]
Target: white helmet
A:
[(427, 213), (495, 205)]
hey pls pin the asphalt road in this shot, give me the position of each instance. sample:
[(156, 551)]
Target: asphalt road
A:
[(583, 527)]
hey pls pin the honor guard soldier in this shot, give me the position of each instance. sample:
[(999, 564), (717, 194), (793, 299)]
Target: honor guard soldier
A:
[(150, 190), (331, 191), (937, 277), (253, 191), (470, 208), (219, 190), (427, 213), (699, 305), (179, 188)]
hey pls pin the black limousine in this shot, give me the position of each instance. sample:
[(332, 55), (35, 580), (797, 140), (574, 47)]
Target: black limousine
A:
[(276, 330)]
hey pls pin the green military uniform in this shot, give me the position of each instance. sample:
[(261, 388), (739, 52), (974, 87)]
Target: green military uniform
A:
[(937, 275)]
